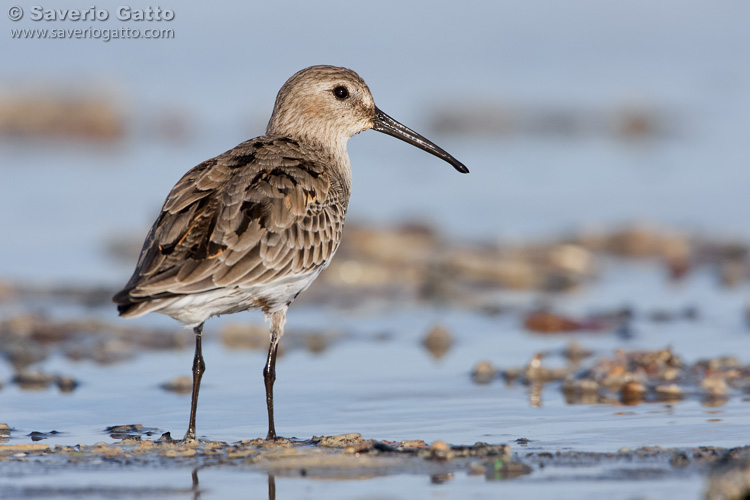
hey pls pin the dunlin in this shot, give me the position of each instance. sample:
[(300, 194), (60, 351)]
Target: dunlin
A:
[(253, 227)]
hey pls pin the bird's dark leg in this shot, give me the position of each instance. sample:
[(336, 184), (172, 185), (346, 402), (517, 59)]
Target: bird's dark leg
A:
[(198, 368), (269, 377), (269, 371)]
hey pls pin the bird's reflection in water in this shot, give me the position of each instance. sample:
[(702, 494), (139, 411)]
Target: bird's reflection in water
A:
[(271, 487), (196, 485), (197, 490)]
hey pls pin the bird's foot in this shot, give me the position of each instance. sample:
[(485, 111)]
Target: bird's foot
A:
[(189, 438), (272, 437)]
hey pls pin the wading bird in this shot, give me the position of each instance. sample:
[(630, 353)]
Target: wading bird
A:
[(253, 227)]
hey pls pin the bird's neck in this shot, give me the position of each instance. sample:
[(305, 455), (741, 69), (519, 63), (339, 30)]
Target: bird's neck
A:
[(332, 152), (322, 137)]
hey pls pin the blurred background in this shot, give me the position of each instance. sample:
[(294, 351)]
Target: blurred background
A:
[(593, 131), (572, 115)]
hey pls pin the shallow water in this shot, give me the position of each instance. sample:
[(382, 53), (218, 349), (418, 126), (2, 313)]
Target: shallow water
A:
[(223, 483), (65, 202), (391, 388)]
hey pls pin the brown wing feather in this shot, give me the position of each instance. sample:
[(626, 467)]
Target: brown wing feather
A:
[(244, 218)]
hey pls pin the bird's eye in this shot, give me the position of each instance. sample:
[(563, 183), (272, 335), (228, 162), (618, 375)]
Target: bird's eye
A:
[(341, 92)]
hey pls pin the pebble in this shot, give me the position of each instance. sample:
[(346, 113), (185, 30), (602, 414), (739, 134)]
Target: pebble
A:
[(33, 381), (483, 373), (441, 450), (679, 459), (441, 478), (669, 392), (412, 443), (340, 441), (122, 429), (440, 446), (438, 341), (182, 384), (715, 386), (547, 322), (632, 393), (66, 384)]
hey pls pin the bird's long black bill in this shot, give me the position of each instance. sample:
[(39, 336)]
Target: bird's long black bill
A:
[(387, 125)]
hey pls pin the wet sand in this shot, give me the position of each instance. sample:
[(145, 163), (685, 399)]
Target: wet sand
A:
[(350, 457)]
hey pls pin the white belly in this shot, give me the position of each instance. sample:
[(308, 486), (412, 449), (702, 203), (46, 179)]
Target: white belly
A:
[(194, 309)]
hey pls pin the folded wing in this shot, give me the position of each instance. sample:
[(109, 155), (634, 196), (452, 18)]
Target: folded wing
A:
[(245, 218)]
